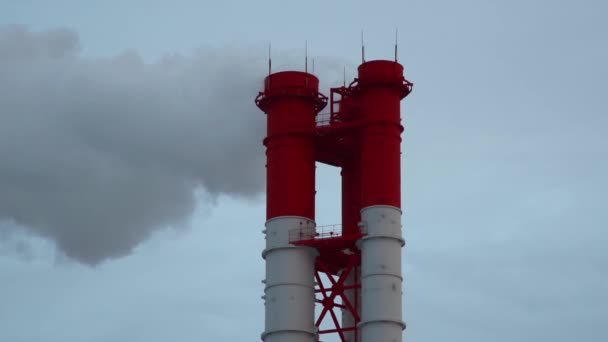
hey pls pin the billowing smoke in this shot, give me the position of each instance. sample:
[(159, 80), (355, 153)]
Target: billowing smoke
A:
[(97, 153)]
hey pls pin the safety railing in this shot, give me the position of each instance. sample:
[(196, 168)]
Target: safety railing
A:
[(315, 233), (323, 119)]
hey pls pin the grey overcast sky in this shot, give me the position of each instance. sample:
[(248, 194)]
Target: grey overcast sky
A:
[(131, 165)]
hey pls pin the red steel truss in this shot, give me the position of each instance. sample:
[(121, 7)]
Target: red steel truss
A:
[(338, 257)]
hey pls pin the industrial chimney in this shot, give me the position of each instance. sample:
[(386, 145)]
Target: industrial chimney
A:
[(355, 268)]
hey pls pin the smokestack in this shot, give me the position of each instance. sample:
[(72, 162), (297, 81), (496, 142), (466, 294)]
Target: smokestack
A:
[(381, 88), (291, 100), (361, 260)]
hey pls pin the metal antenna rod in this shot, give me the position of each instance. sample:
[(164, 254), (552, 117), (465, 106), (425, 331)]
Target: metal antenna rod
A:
[(396, 42), (344, 79), (269, 59), (306, 56), (362, 48)]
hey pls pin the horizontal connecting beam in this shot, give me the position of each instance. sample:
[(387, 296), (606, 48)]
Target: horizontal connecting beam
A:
[(331, 331), (347, 287)]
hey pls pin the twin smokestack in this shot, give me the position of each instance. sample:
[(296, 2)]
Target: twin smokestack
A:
[(355, 269)]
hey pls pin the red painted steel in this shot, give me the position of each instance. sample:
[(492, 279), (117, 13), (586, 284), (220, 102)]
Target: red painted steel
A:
[(291, 99), (362, 135), (381, 86), (338, 258), (351, 199)]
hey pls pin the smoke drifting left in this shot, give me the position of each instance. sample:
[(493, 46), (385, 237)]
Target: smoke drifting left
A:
[(97, 153)]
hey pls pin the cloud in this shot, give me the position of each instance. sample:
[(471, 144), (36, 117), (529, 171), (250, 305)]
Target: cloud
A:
[(98, 153)]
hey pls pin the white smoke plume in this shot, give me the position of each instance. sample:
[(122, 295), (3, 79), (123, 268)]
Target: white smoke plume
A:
[(98, 153)]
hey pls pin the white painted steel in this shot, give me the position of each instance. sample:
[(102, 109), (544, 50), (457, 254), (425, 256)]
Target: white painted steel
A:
[(289, 295), (381, 280)]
